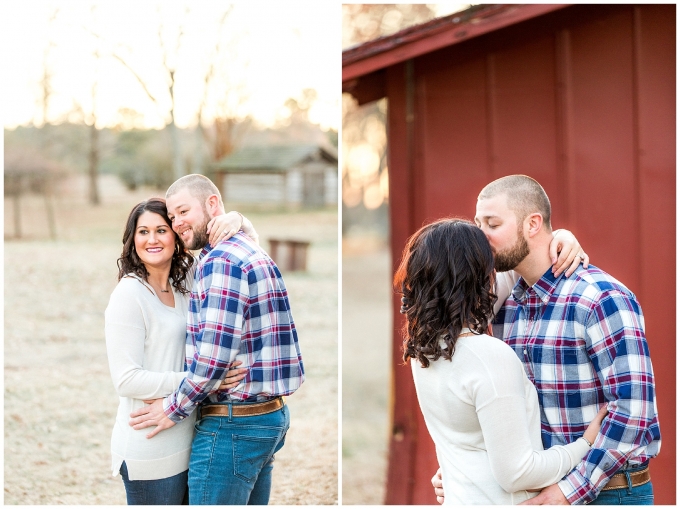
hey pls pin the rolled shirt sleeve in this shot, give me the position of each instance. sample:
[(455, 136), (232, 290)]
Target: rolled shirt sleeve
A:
[(218, 305), (616, 344)]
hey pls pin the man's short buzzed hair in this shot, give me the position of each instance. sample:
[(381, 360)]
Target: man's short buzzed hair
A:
[(199, 186), (525, 196)]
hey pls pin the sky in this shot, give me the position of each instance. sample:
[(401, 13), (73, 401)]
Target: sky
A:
[(446, 8), (275, 51)]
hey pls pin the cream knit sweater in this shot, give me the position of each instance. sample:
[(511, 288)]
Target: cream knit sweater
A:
[(482, 413), (145, 341)]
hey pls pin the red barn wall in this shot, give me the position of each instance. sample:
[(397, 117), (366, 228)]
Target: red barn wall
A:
[(583, 100)]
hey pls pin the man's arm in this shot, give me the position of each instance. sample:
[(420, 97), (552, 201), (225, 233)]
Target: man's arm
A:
[(216, 319), (216, 310), (154, 414), (616, 344)]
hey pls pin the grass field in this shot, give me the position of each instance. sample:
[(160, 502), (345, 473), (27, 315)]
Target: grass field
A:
[(59, 400), (366, 369)]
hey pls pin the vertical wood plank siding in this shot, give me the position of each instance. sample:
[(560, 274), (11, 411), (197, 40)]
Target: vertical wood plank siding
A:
[(583, 100)]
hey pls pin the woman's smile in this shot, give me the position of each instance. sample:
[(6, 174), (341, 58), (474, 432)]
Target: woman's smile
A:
[(154, 239)]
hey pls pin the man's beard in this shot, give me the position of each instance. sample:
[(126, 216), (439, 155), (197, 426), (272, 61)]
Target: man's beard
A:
[(200, 237), (510, 258)]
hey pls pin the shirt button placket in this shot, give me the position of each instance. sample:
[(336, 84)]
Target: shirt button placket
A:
[(530, 326), (527, 334)]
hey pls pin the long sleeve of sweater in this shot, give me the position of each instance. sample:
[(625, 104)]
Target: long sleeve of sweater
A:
[(501, 408), (125, 339)]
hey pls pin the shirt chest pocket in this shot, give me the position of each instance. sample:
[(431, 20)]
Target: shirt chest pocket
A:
[(566, 375)]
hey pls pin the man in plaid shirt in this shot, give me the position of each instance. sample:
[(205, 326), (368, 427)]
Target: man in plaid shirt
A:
[(582, 342), (238, 311)]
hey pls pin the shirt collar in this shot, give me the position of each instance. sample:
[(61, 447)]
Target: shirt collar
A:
[(204, 251), (544, 287)]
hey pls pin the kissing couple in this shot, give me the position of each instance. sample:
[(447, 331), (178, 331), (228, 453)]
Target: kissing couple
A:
[(536, 384)]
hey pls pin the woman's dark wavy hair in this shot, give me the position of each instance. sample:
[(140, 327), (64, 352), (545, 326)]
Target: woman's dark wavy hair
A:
[(446, 277), (129, 262)]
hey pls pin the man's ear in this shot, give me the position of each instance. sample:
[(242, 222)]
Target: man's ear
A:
[(535, 223), (212, 204)]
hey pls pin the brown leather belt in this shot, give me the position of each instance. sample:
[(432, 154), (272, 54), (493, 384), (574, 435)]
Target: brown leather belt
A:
[(244, 410), (636, 478)]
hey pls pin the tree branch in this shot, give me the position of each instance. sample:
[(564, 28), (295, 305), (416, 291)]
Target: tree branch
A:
[(137, 76)]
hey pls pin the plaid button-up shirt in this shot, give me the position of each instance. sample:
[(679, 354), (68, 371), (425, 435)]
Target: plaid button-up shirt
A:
[(238, 310), (582, 342)]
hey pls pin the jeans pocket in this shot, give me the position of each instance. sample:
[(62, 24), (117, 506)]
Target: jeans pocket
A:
[(251, 453), (201, 428), (202, 452)]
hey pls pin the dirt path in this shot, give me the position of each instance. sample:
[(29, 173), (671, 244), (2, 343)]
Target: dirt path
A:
[(59, 399)]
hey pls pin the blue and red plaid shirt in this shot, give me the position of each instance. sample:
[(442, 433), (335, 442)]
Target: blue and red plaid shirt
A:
[(582, 342), (238, 310)]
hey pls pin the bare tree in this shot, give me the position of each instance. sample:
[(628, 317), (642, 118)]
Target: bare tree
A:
[(46, 96), (365, 22), (169, 69), (94, 155), (90, 115), (93, 159), (30, 171), (227, 129), (201, 133), (363, 128)]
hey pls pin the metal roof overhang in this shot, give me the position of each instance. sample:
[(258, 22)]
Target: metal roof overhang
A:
[(371, 57)]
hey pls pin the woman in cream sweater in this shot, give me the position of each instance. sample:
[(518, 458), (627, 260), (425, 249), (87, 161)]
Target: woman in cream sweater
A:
[(480, 408), (145, 341)]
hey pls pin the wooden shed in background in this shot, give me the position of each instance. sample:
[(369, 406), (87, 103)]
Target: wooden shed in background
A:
[(297, 175), (580, 97)]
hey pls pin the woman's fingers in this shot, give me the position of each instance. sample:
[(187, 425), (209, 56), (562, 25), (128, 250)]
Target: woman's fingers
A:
[(230, 385), (214, 236), (581, 258), (574, 265), (211, 223), (235, 374), (565, 259)]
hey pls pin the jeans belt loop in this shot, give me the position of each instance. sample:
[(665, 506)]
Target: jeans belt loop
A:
[(630, 483), (231, 407)]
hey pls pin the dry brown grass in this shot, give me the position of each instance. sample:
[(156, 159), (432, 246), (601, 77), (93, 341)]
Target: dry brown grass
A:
[(59, 399), (366, 370)]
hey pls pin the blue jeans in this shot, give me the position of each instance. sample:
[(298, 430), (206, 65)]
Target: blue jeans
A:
[(232, 458), (168, 491), (638, 495)]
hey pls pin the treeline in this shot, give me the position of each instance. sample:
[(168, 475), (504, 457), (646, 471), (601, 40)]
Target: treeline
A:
[(144, 157)]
